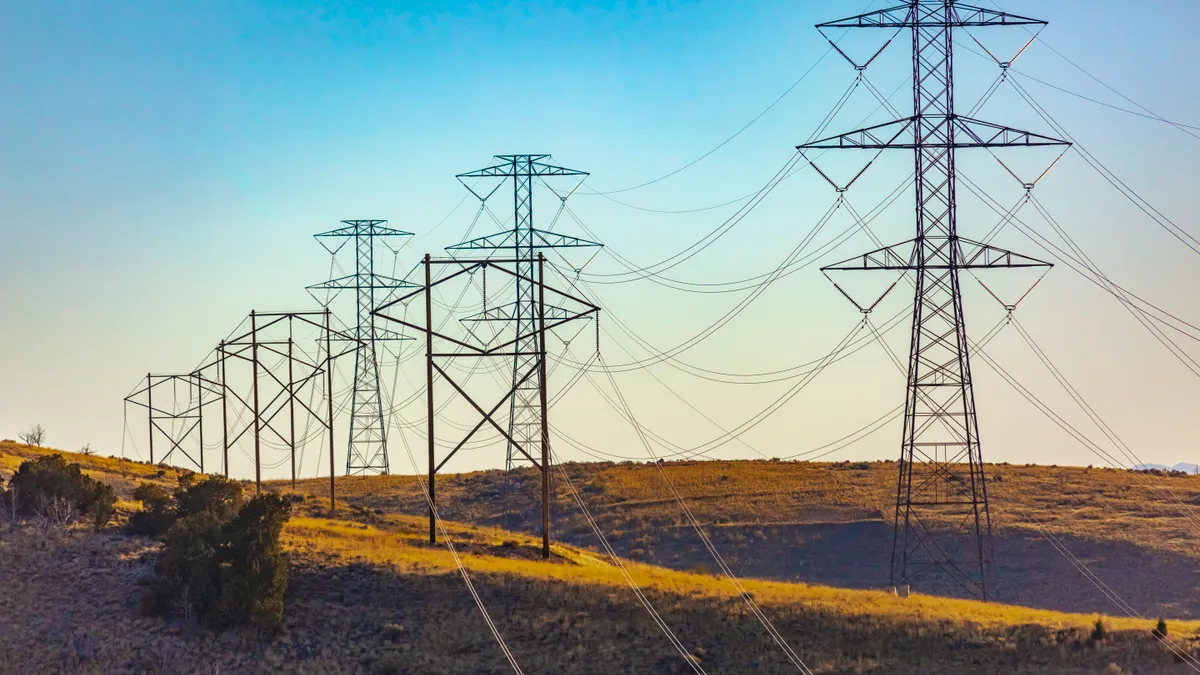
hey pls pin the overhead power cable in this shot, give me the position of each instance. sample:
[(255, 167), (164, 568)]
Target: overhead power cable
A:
[(624, 570), (1188, 511), (1181, 653), (462, 569), (745, 595), (1151, 212), (756, 118), (635, 272), (1082, 268), (1147, 113)]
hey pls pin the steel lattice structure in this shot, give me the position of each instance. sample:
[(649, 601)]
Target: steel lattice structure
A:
[(941, 480), (190, 416), (366, 450), (520, 244), (526, 347)]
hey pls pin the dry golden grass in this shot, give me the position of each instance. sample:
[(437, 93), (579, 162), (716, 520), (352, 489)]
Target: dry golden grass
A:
[(401, 543), (1105, 504), (122, 474), (831, 523), (370, 594)]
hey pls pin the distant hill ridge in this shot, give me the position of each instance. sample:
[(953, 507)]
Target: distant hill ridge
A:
[(1186, 467)]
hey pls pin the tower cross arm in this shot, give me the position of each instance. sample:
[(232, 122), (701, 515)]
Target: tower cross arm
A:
[(541, 239), (521, 165), (958, 253), (932, 14), (973, 133), (919, 131), (374, 228), (511, 312), (375, 281)]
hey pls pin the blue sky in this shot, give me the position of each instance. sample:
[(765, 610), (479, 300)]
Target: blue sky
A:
[(164, 166)]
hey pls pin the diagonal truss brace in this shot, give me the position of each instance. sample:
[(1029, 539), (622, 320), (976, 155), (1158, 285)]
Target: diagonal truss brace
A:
[(940, 131), (529, 343), (508, 239), (931, 15), (966, 254)]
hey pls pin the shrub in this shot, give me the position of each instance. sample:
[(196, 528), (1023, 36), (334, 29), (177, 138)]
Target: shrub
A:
[(188, 568), (157, 514), (50, 487), (1099, 632), (258, 571), (102, 509), (224, 572), (1160, 630), (217, 495)]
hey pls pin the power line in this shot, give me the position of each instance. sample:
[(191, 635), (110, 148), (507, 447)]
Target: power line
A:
[(780, 641), (737, 133)]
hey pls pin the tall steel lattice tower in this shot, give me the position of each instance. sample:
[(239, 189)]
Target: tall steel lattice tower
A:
[(522, 241), (366, 450), (942, 521)]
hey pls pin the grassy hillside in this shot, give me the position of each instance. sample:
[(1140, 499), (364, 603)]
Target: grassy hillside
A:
[(832, 524), (368, 594)]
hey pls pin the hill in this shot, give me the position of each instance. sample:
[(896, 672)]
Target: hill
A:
[(368, 594), (831, 523)]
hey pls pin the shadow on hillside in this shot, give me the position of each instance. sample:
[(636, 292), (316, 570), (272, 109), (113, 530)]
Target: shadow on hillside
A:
[(382, 622), (853, 553), (1029, 570)]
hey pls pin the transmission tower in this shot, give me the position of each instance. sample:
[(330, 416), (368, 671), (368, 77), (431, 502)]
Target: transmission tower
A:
[(366, 451), (941, 480), (524, 426)]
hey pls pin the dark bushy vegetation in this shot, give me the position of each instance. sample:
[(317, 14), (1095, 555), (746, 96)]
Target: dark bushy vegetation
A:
[(157, 514), (49, 487), (221, 561), (217, 496), (1168, 473)]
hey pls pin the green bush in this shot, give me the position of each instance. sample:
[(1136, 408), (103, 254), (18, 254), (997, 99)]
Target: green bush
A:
[(103, 507), (224, 572), (1099, 631), (188, 567), (217, 495), (50, 487), (1160, 630), (256, 576), (157, 514)]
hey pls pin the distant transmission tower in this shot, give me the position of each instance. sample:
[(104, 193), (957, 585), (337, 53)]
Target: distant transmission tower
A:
[(522, 240), (941, 470), (366, 451)]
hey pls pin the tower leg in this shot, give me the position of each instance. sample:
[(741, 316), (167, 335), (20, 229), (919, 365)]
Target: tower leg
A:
[(545, 435), (940, 505), (150, 413), (257, 421), (429, 401), (329, 404)]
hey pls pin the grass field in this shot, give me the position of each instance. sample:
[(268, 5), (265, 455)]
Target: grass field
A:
[(369, 594), (832, 523)]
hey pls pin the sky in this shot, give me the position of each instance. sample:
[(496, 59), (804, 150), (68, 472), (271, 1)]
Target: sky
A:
[(164, 166)]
